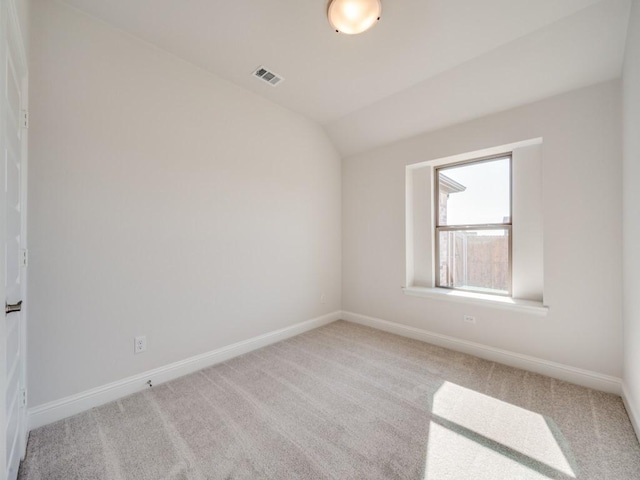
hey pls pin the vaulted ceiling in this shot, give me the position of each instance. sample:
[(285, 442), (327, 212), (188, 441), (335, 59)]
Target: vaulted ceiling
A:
[(426, 64)]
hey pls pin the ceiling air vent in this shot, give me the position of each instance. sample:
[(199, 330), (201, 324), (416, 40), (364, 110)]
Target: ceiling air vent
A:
[(268, 76)]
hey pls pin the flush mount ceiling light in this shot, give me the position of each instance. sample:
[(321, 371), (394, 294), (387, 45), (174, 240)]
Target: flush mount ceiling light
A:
[(353, 16)]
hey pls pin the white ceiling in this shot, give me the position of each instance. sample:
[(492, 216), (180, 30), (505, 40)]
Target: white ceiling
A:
[(425, 65)]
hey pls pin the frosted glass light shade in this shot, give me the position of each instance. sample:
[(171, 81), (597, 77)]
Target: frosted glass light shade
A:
[(353, 16)]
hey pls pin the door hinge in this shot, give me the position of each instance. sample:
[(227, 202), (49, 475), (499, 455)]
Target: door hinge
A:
[(24, 397), (24, 119), (24, 257)]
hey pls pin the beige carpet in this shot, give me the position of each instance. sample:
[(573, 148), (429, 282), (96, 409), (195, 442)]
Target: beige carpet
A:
[(346, 402)]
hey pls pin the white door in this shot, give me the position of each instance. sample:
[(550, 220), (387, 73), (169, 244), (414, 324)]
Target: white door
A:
[(13, 152)]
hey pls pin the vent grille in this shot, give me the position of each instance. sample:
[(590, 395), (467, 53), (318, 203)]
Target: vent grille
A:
[(268, 76)]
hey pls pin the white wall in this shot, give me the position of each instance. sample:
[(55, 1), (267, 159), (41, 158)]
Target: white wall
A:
[(581, 189), (163, 201), (631, 214)]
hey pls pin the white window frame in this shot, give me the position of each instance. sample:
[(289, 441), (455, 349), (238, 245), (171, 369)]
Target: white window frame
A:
[(527, 251)]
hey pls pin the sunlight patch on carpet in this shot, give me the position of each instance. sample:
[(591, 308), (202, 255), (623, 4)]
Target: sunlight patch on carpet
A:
[(477, 435)]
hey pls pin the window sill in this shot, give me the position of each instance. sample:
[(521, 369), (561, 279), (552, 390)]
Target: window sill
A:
[(506, 303)]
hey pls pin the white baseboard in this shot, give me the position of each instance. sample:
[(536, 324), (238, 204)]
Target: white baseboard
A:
[(586, 378), (632, 411), (68, 406), (71, 405)]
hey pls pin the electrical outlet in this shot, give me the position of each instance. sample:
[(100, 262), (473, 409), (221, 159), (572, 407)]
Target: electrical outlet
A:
[(470, 319), (323, 298), (139, 344)]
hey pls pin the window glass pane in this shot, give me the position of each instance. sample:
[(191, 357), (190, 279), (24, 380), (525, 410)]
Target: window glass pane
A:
[(476, 260), (475, 193)]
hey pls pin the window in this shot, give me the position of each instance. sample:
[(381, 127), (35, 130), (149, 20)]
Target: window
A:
[(484, 197), (473, 229)]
